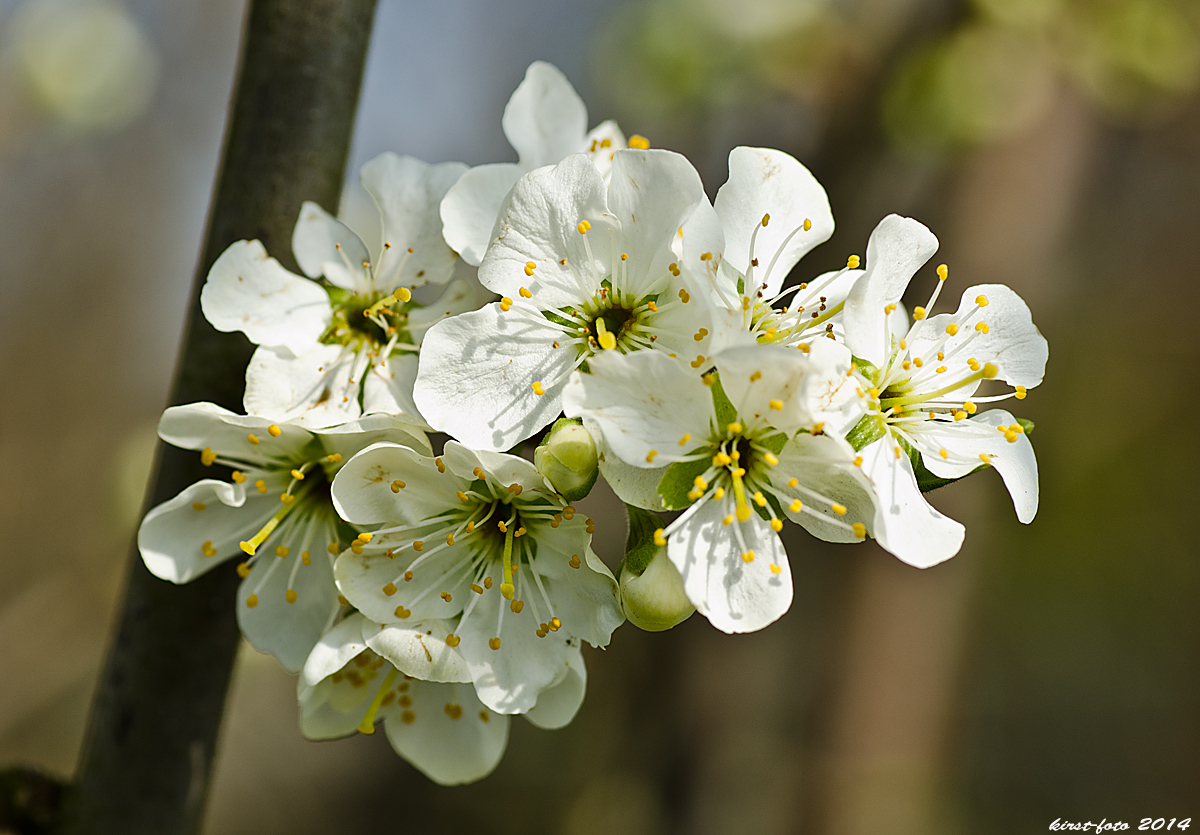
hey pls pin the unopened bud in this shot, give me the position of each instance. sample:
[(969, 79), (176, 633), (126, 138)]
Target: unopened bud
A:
[(651, 588), (567, 458)]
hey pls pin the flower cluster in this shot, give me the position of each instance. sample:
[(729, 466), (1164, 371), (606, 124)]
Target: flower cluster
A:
[(642, 334)]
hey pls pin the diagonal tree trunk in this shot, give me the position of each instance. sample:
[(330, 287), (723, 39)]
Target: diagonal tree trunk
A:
[(149, 748)]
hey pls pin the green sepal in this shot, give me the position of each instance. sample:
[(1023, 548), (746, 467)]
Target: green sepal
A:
[(678, 481), (866, 368), (726, 414), (774, 443), (1027, 425), (868, 430), (639, 545)]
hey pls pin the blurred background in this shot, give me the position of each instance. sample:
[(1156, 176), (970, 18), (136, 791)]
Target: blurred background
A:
[(1049, 671)]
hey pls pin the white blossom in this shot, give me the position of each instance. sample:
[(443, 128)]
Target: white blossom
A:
[(481, 539), (333, 350), (581, 268), (923, 386), (274, 512)]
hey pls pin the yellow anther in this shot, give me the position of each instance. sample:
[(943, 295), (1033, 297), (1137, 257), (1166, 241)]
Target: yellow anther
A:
[(760, 499), (398, 485), (973, 364), (860, 530), (1011, 437), (941, 369), (207, 456), (652, 307), (982, 327), (748, 556), (650, 456), (334, 548), (274, 431), (574, 562), (447, 596), (441, 465), (734, 428), (969, 407), (403, 294), (342, 600), (745, 302), (943, 453), (198, 505), (290, 596), (252, 601), (402, 612), (960, 415), (296, 474), (238, 477), (207, 549), (505, 303), (389, 589), (906, 365), (990, 370), (525, 293), (305, 558), (766, 218), (639, 142), (335, 458), (530, 266), (874, 392), (839, 509), (583, 227), (364, 537), (494, 643), (852, 262), (243, 569), (943, 271), (282, 551), (624, 256), (858, 460), (706, 256), (683, 296), (776, 525), (470, 527), (286, 498), (686, 437), (700, 334), (478, 589), (888, 309), (792, 482), (728, 520), (253, 439), (952, 329), (1021, 393), (918, 313), (537, 388), (918, 362), (770, 458), (516, 606), (418, 545)]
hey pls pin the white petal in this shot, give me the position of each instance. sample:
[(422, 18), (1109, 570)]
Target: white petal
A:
[(447, 733), (324, 246), (538, 223), (470, 207), (965, 441), (651, 193), (545, 120), (409, 194), (501, 468), (765, 181), (768, 385), (905, 523), (249, 291), (510, 679), (331, 711), (362, 489), (335, 649), (557, 705), (824, 464), (735, 595), (173, 535), (366, 578), (313, 389), (388, 388), (602, 154), (458, 298), (200, 425), (1012, 342), (898, 247), (476, 375), (273, 625), (637, 486), (833, 396), (643, 403), (419, 650), (348, 439), (586, 599)]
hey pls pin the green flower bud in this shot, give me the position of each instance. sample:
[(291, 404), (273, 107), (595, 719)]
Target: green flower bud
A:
[(651, 588), (567, 458)]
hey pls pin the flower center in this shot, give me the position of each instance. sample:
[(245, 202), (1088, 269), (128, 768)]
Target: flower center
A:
[(378, 321)]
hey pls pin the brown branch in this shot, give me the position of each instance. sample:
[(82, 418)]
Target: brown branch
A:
[(146, 765)]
